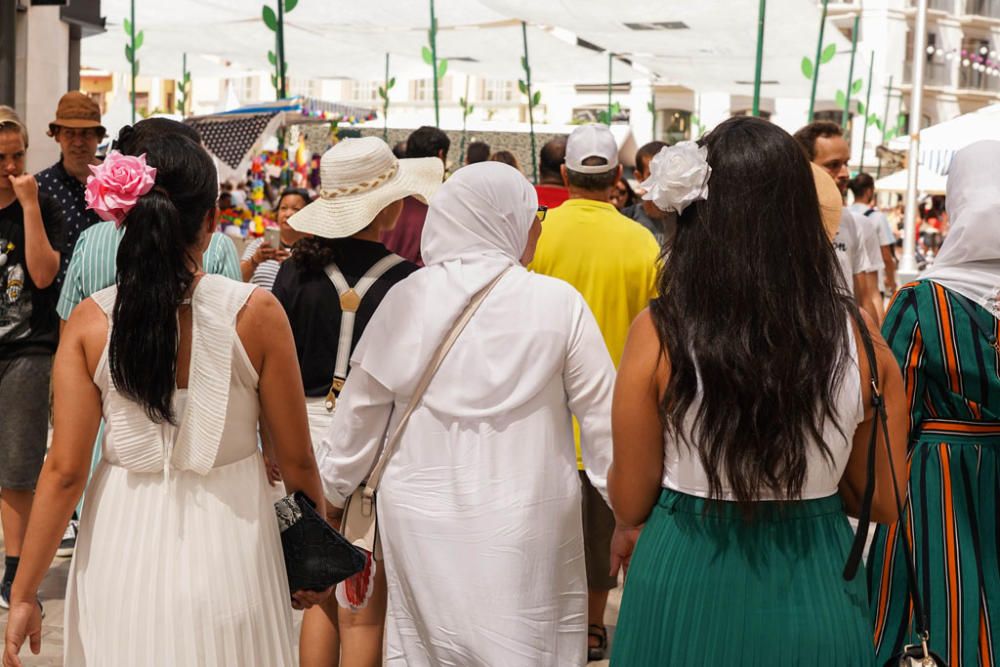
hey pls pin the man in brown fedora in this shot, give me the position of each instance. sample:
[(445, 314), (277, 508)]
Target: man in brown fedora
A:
[(78, 130)]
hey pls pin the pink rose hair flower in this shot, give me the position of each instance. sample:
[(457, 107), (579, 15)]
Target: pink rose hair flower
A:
[(116, 185)]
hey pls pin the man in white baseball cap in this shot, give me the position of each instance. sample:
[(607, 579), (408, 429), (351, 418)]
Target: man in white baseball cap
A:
[(612, 261)]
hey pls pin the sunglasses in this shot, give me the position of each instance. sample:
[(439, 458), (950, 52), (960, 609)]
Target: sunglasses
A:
[(540, 214), (71, 133)]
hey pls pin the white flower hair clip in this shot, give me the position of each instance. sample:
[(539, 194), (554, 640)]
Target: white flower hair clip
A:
[(678, 177)]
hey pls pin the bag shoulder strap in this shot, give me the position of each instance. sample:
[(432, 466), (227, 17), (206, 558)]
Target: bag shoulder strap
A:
[(418, 393), (970, 310), (864, 518), (350, 301)]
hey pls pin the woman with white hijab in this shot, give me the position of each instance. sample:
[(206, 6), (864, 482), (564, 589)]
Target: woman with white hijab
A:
[(943, 330), (479, 506)]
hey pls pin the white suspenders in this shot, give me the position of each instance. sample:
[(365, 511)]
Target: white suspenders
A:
[(350, 300)]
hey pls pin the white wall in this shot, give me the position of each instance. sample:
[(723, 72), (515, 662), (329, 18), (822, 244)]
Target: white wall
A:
[(42, 76)]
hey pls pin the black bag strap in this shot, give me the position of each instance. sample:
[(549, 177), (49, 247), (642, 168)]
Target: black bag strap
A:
[(970, 310), (864, 520)]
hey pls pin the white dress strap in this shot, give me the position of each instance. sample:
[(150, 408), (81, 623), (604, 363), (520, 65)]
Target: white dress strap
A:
[(214, 306)]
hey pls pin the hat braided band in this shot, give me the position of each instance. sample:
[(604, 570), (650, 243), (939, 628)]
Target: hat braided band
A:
[(363, 186)]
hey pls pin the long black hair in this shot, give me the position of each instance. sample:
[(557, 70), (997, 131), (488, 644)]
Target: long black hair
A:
[(752, 304), (155, 265)]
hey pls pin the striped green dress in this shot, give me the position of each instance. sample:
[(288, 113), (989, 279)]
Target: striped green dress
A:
[(952, 379)]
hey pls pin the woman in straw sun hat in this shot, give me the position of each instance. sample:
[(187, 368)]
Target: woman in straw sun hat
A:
[(330, 288)]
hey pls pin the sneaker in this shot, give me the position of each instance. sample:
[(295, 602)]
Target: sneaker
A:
[(69, 539)]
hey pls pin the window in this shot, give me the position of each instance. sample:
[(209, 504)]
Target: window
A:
[(422, 90), (245, 89), (364, 91), (596, 114), (937, 67), (834, 116), (303, 87), (977, 67), (497, 90), (990, 8), (673, 125), (765, 115)]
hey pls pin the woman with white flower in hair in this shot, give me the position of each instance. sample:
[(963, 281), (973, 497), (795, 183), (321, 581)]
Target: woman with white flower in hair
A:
[(741, 422)]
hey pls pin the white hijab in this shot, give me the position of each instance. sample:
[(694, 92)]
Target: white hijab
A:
[(476, 227), (969, 261)]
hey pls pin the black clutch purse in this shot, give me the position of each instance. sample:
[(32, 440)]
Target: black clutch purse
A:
[(316, 556)]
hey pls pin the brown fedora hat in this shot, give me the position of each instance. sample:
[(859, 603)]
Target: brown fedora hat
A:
[(77, 110)]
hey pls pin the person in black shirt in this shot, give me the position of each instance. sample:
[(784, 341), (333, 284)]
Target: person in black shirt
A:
[(30, 237), (330, 288)]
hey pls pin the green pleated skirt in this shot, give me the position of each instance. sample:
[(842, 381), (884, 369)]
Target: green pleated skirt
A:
[(707, 587)]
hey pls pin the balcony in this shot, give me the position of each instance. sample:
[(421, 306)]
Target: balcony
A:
[(935, 73), (940, 5), (986, 8), (971, 79)]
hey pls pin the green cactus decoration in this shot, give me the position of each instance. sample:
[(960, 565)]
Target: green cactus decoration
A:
[(438, 67), (184, 88), (534, 98), (606, 116), (383, 92), (810, 68), (275, 22), (131, 52)]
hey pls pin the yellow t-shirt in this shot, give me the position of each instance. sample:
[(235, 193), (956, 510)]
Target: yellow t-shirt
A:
[(611, 260)]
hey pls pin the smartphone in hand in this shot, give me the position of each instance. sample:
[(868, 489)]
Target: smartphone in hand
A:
[(272, 237)]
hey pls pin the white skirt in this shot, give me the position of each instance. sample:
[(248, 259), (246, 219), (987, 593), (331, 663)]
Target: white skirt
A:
[(187, 571)]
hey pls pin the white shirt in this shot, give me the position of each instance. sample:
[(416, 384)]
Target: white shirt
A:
[(850, 253)]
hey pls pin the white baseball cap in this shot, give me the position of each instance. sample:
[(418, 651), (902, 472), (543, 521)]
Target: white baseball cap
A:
[(589, 141)]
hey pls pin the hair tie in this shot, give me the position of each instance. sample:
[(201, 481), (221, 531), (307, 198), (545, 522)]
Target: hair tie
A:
[(115, 185)]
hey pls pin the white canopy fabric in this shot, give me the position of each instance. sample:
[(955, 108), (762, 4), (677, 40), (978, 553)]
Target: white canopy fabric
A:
[(225, 38), (714, 51), (939, 143), (928, 182)]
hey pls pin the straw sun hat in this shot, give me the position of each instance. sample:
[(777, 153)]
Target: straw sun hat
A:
[(359, 178), (831, 202)]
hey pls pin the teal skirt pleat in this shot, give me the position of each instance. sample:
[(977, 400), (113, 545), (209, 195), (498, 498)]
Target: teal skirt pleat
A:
[(709, 587)]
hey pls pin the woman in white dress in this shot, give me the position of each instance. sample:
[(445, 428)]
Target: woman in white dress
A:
[(179, 559), (479, 507)]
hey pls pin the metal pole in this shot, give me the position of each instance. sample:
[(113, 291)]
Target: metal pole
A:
[(611, 57), (434, 64), (819, 54), (652, 105), (8, 51), (907, 263), (850, 73), (761, 11), (865, 115), (282, 84), (531, 105), (885, 123), (184, 70), (465, 117), (385, 105), (135, 56)]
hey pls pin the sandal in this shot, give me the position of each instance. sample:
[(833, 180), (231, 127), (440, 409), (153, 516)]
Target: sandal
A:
[(599, 652)]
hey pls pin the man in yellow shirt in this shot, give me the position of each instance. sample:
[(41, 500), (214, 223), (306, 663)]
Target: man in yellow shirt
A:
[(612, 261)]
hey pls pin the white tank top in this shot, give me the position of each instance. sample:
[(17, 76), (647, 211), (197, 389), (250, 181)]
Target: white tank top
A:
[(682, 469)]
